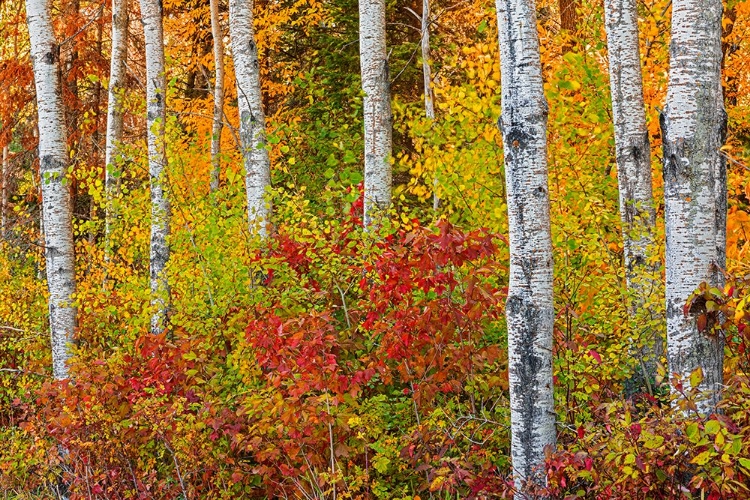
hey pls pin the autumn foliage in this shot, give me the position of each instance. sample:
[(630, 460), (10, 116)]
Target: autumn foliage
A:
[(329, 361)]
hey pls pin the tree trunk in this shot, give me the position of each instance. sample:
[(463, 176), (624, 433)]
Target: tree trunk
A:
[(4, 197), (569, 15), (117, 76), (633, 171), (429, 106), (151, 12), (252, 120), (529, 308), (377, 106), (429, 96), (695, 191), (218, 95), (53, 164)]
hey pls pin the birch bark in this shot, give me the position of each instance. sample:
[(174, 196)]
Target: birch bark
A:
[(151, 13), (218, 118), (4, 197), (377, 107), (429, 96), (53, 165), (693, 129), (633, 167), (252, 120), (429, 105), (117, 75), (529, 308)]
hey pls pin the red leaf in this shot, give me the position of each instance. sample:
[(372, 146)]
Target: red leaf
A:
[(595, 355)]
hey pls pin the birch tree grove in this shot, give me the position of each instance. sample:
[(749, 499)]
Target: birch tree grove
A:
[(633, 156), (218, 118), (151, 12), (378, 140), (117, 76), (53, 164), (529, 307), (695, 191), (252, 119)]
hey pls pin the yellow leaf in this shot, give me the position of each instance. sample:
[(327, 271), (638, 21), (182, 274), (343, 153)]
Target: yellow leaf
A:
[(702, 458)]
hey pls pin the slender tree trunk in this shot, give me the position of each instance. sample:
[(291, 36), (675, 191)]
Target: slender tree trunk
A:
[(377, 106), (633, 169), (695, 191), (56, 208), (4, 197), (569, 15), (529, 308), (96, 135), (429, 96), (117, 76), (252, 120), (429, 106), (151, 12), (218, 95)]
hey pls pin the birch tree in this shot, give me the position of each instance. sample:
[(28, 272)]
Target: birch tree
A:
[(53, 166), (429, 105), (151, 12), (252, 120), (633, 168), (117, 75), (695, 191), (529, 307), (377, 106), (429, 96), (218, 123), (4, 196)]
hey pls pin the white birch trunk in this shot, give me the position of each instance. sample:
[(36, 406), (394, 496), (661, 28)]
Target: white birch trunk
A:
[(117, 75), (529, 308), (377, 107), (218, 121), (429, 106), (429, 96), (633, 166), (151, 13), (693, 129), (252, 120), (53, 164), (4, 197)]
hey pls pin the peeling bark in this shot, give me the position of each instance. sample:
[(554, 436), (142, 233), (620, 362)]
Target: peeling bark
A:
[(53, 166), (695, 191), (252, 120), (377, 107), (529, 308)]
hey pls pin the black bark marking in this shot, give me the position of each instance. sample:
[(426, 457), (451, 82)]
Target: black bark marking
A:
[(527, 368)]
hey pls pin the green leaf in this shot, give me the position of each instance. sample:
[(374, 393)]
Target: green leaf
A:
[(692, 431), (712, 427)]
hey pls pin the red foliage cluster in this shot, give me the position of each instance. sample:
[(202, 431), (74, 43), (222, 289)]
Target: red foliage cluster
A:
[(172, 414)]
